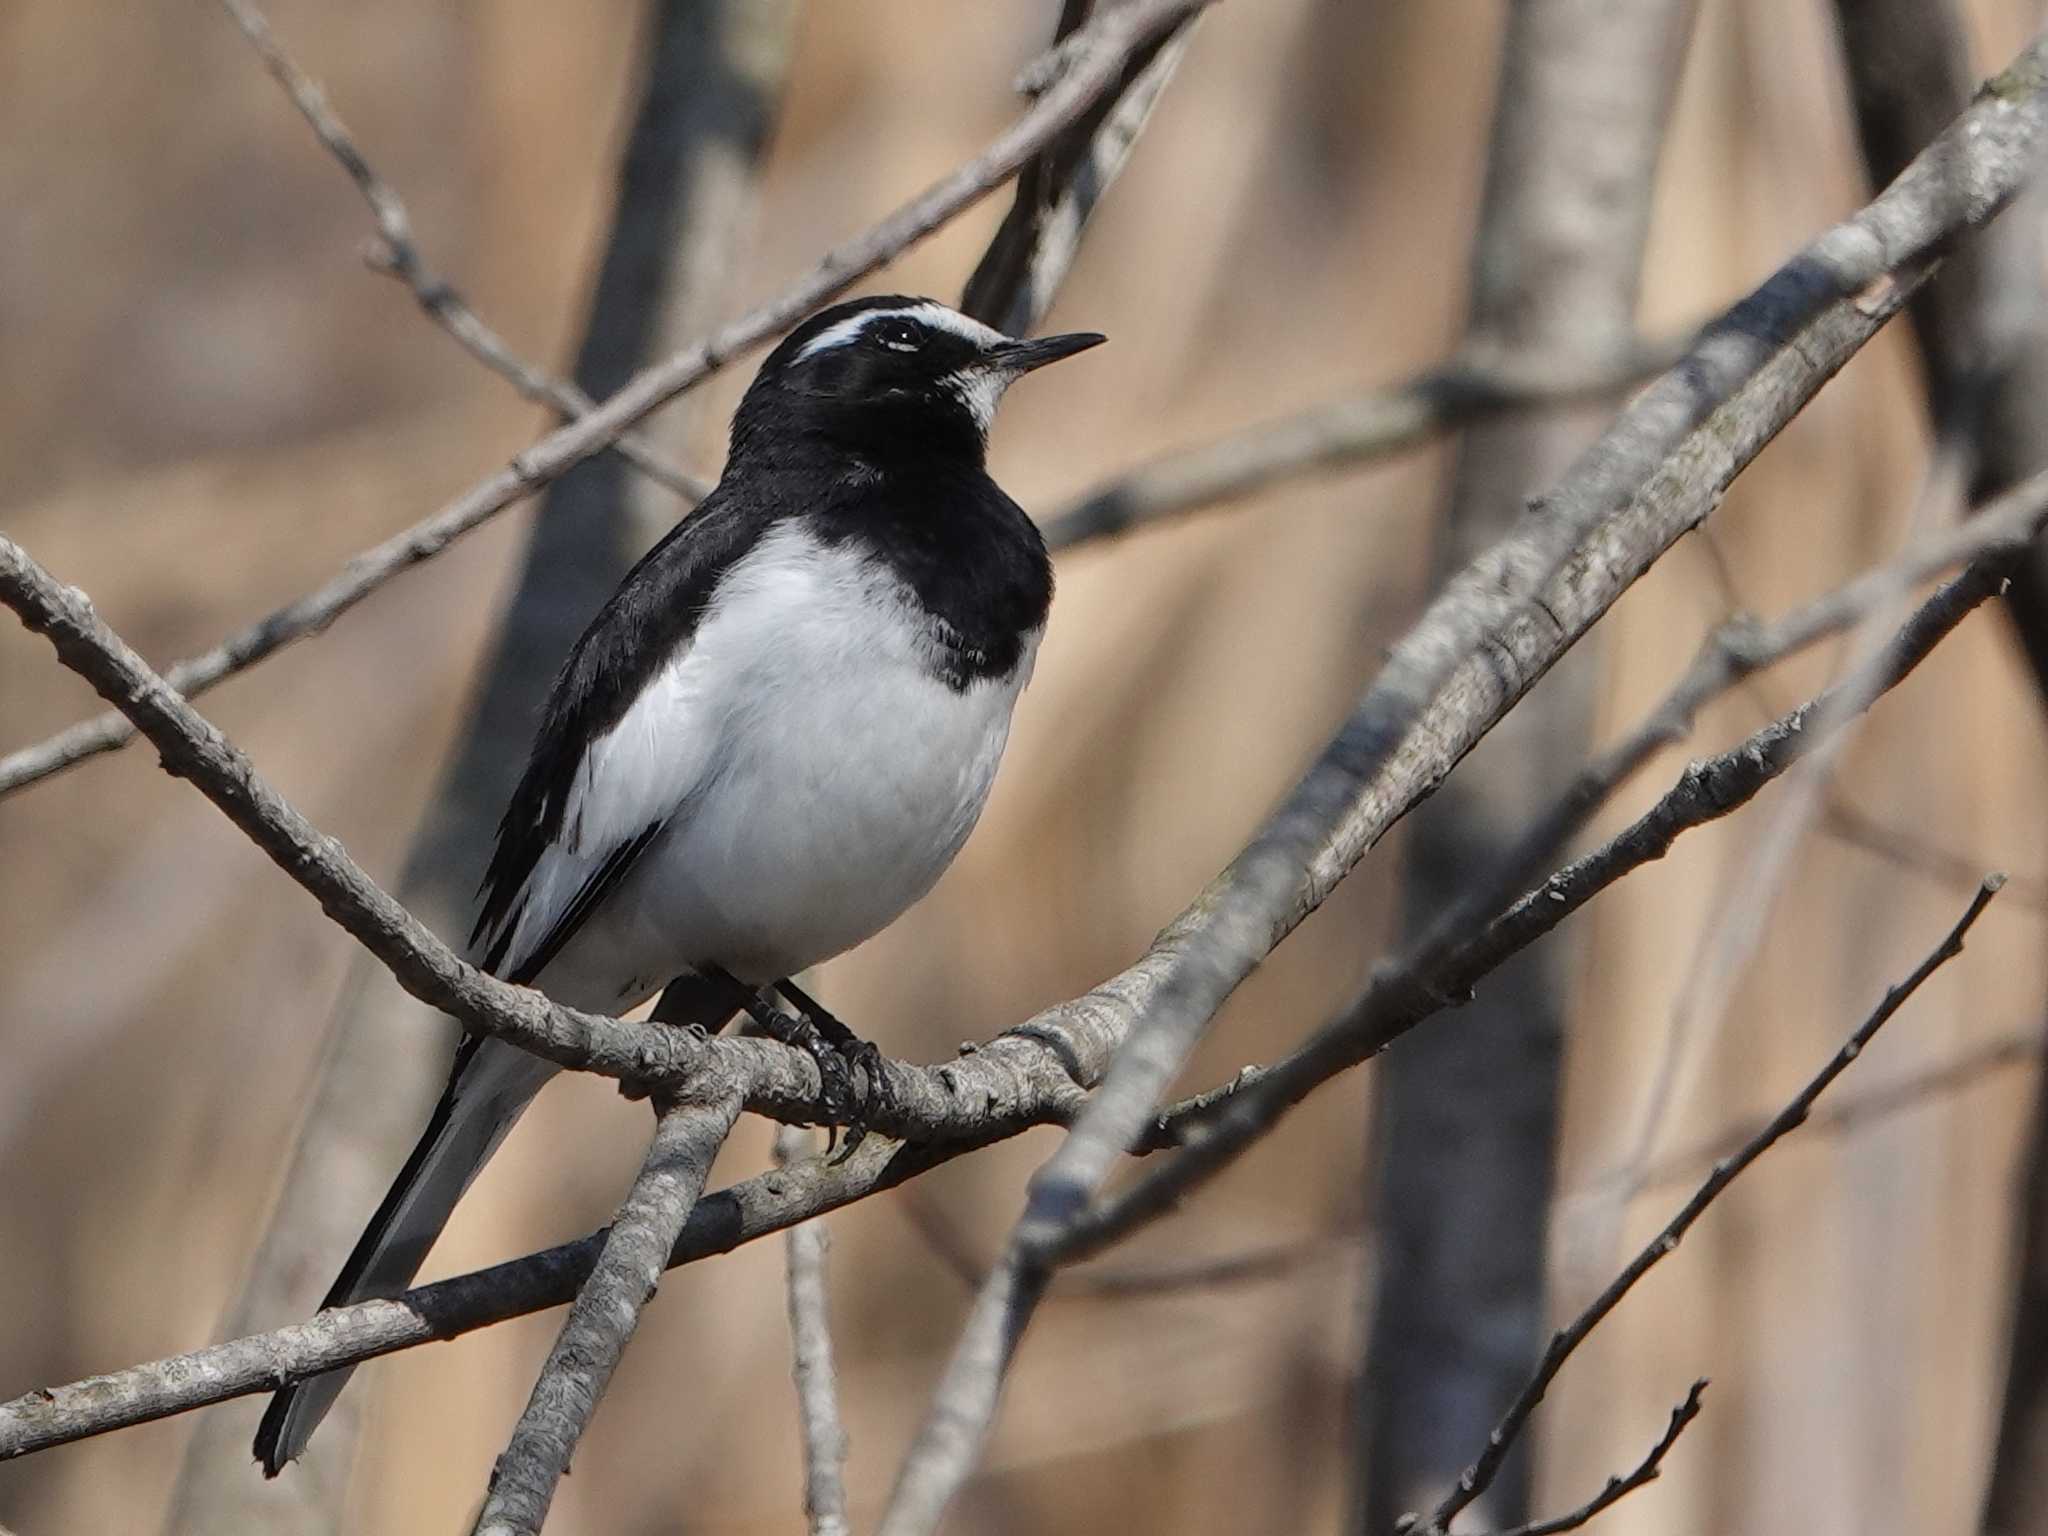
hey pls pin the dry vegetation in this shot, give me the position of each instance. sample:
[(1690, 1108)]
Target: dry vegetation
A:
[(210, 405)]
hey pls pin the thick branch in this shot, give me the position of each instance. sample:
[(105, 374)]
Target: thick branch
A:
[(607, 1310)]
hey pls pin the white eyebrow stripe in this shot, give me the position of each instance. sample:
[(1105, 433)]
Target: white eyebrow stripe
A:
[(937, 316)]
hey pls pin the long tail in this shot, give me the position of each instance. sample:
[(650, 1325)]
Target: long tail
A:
[(491, 1086)]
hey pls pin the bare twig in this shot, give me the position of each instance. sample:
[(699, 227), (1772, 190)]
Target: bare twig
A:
[(607, 1310), (1570, 1337), (1621, 1486), (398, 255), (817, 1384), (1096, 57)]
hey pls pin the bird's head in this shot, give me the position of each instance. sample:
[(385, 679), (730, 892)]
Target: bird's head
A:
[(890, 375)]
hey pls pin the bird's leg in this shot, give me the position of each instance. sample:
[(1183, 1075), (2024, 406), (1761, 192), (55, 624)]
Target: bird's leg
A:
[(852, 1050), (838, 1102)]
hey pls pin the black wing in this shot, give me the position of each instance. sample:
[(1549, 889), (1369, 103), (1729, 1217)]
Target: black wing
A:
[(641, 627)]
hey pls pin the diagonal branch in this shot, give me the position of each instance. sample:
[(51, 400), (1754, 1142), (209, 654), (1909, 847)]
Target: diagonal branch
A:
[(399, 256), (1475, 1478), (607, 1310), (811, 1367), (1093, 59), (1647, 1471), (1014, 283)]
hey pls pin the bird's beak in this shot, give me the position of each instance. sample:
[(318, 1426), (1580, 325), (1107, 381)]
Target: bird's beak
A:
[(1015, 357)]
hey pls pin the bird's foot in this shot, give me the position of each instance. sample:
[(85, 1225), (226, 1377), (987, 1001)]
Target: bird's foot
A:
[(857, 1076)]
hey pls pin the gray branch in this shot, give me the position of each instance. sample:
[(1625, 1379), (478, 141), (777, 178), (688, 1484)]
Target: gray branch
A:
[(606, 1311), (811, 1367), (399, 255), (1340, 434), (1092, 58)]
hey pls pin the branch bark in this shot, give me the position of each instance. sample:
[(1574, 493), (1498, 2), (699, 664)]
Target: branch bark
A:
[(811, 1368), (606, 1311), (1465, 1120)]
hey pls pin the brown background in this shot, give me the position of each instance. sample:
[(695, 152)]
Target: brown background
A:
[(208, 404)]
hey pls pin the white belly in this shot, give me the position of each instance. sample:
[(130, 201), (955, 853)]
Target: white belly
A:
[(843, 779)]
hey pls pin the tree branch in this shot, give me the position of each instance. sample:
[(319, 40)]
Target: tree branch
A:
[(1620, 1487), (1566, 1340), (1093, 57), (398, 256), (817, 1383), (606, 1311)]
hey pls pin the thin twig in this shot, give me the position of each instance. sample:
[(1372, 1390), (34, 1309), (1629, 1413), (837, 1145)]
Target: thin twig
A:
[(397, 254), (606, 1311), (1621, 1486), (1736, 929), (1095, 58), (1476, 1477), (811, 1365)]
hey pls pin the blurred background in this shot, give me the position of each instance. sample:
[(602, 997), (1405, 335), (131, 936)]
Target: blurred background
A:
[(207, 403)]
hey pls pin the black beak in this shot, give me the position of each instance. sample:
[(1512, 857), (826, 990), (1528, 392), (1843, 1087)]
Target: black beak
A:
[(1023, 356)]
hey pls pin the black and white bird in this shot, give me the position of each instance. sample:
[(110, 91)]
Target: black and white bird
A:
[(772, 740)]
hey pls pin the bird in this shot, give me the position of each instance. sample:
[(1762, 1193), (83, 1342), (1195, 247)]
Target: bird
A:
[(770, 742)]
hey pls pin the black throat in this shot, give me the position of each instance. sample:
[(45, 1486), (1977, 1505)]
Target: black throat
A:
[(909, 487)]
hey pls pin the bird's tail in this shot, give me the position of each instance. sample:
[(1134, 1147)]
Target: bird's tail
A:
[(491, 1086)]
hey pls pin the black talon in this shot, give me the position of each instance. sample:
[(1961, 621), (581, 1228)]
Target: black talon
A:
[(853, 1054)]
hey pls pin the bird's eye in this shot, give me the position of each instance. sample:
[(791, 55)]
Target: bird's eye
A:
[(898, 335)]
